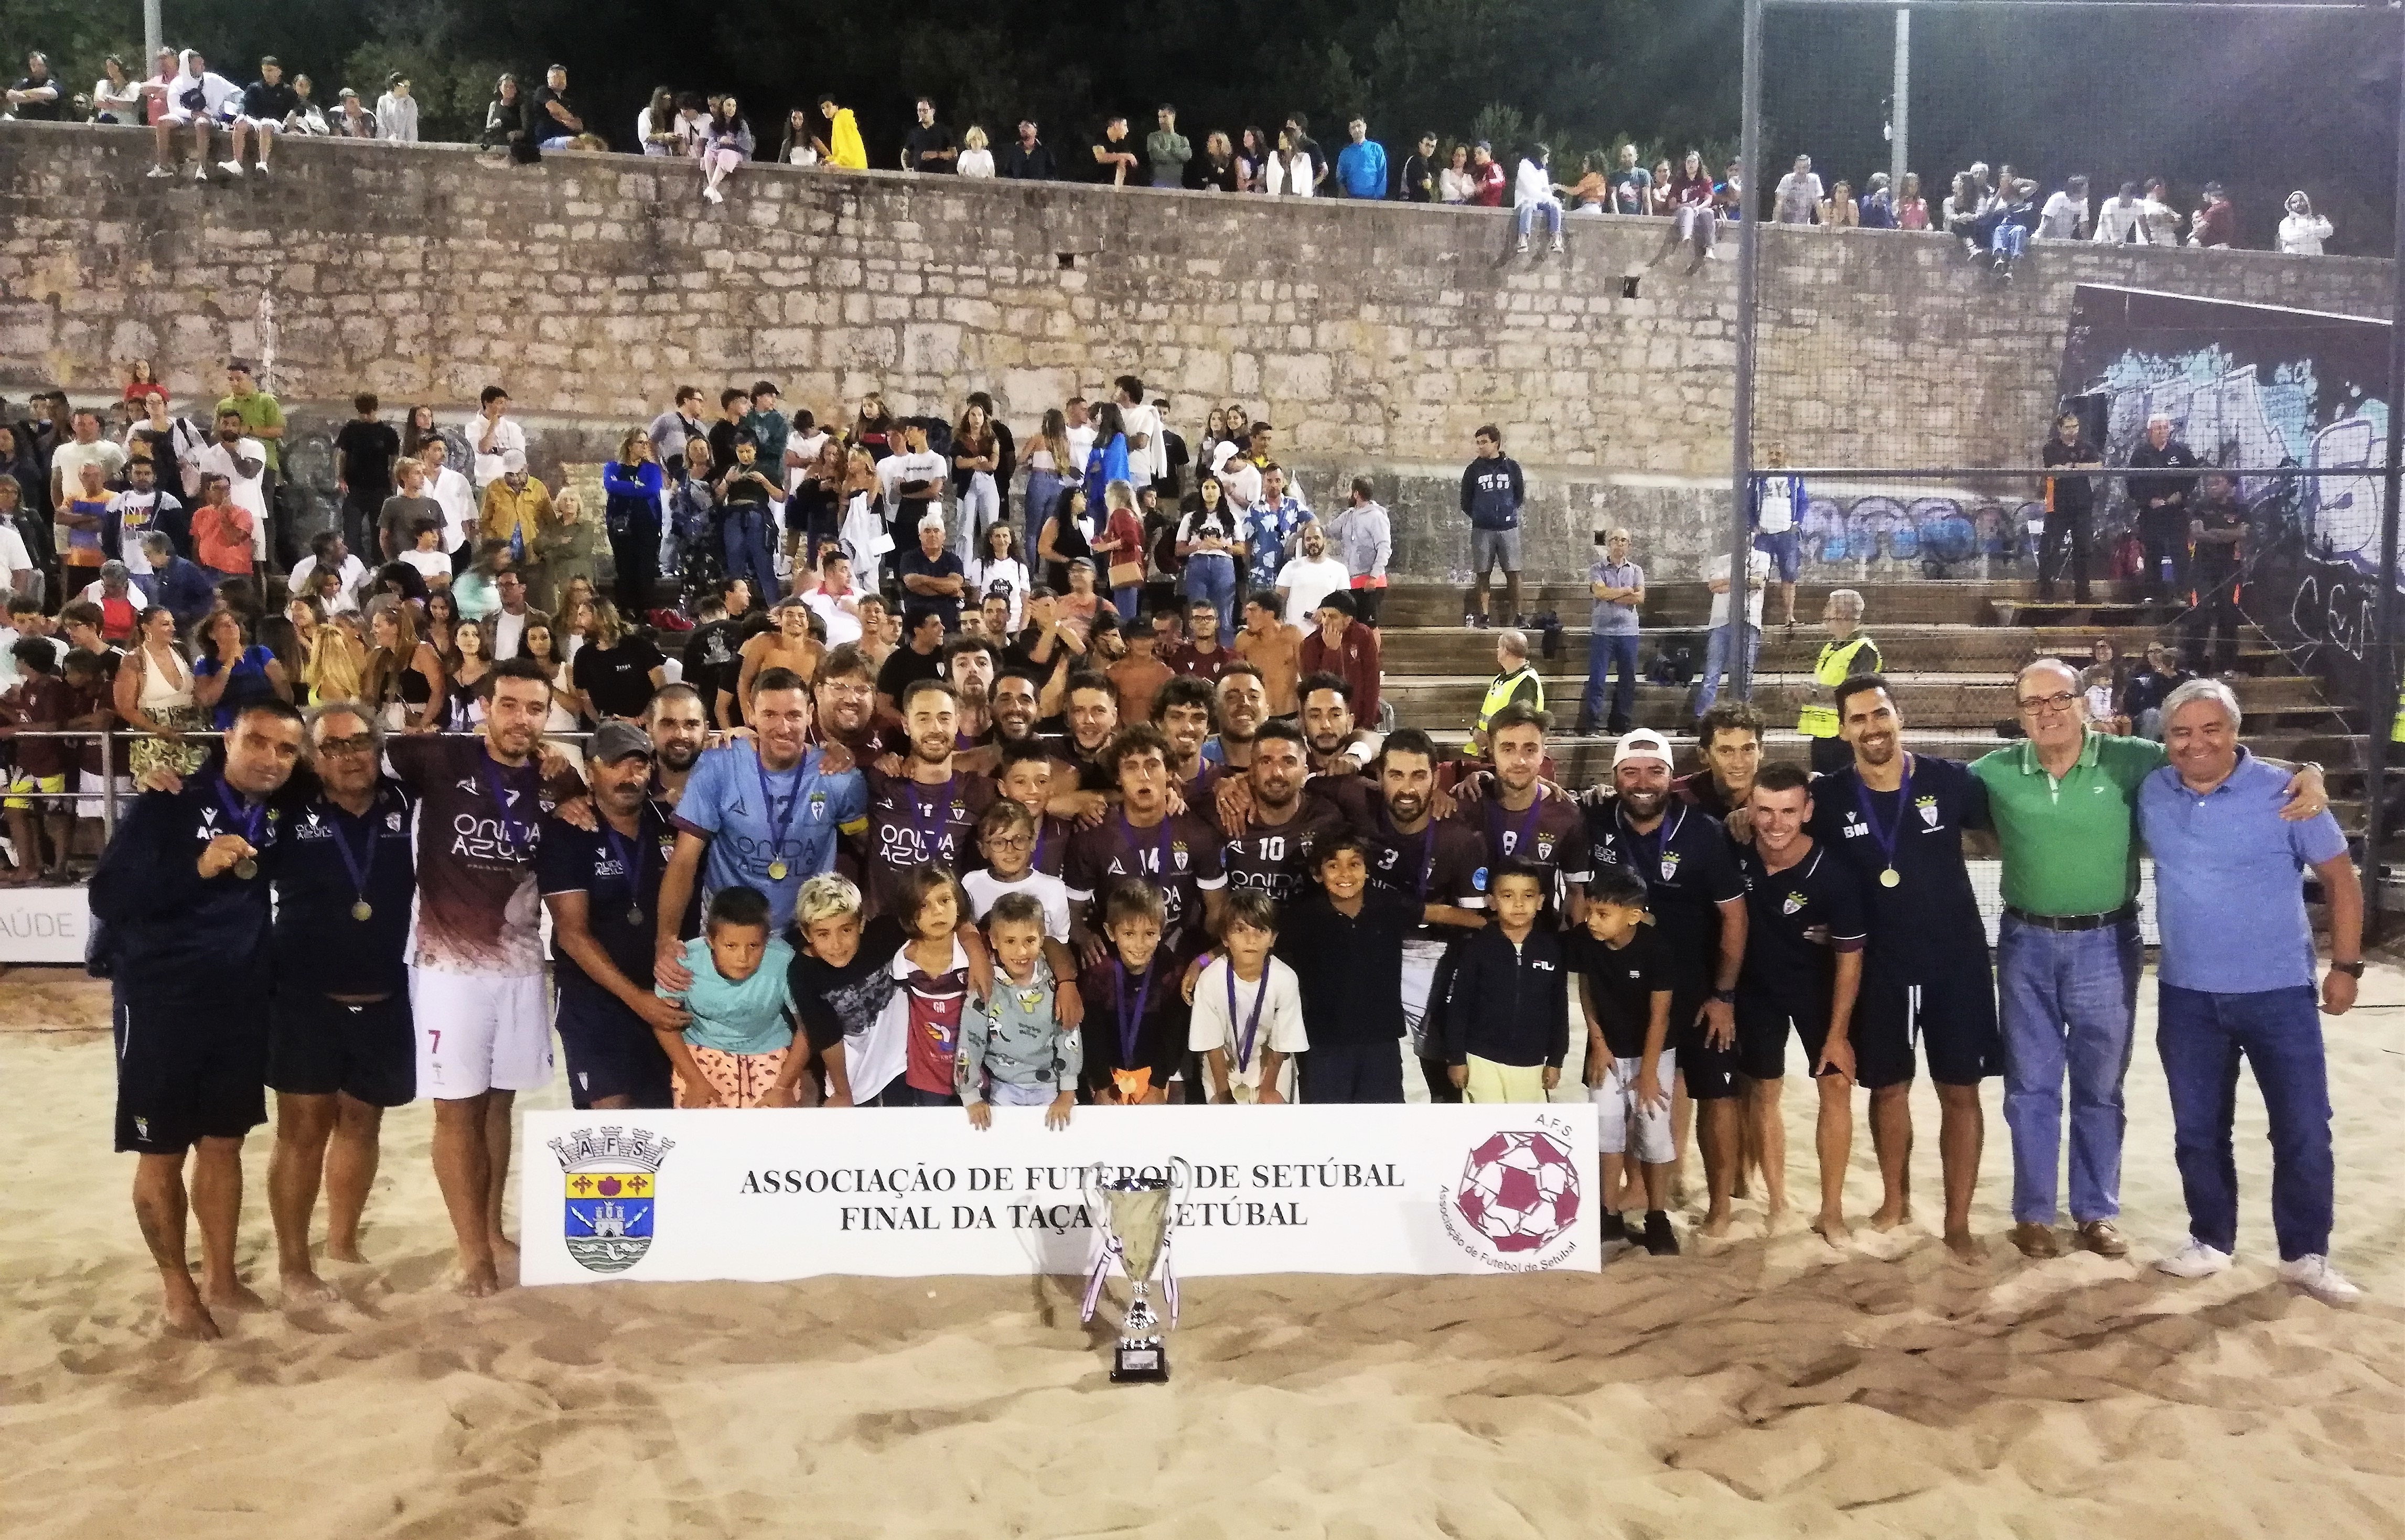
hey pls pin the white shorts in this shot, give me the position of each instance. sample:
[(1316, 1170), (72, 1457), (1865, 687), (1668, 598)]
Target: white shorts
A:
[(89, 787), (479, 1032), (1616, 1108), (264, 125)]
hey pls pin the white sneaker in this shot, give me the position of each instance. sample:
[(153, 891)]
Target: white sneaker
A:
[(159, 171), (1557, 243), (2195, 1260), (231, 168), (2316, 1277), (714, 195), (263, 171), (1524, 245), (201, 175)]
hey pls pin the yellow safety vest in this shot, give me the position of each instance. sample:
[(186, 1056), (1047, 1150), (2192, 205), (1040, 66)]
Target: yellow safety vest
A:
[(2397, 728), (1836, 665), (1500, 690)]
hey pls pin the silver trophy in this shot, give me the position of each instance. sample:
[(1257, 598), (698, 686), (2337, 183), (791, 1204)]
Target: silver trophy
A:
[(1134, 1216)]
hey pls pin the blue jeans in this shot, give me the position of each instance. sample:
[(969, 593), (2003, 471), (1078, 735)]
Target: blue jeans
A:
[(747, 552), (2067, 1000), (2278, 1032), (1128, 601), (1716, 661), (1213, 579), (1603, 651), (1528, 214)]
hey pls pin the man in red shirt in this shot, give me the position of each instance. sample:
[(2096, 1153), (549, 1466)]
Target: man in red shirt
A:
[(1343, 647), (1487, 172), (1202, 656)]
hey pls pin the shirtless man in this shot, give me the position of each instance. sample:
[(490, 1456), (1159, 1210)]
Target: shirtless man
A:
[(787, 645)]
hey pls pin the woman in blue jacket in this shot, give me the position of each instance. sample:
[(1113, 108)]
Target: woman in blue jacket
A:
[(1107, 461), (632, 482)]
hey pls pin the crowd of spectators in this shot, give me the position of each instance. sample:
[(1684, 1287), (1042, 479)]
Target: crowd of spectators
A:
[(1995, 214)]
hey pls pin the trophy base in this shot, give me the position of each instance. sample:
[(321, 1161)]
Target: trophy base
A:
[(1144, 1361)]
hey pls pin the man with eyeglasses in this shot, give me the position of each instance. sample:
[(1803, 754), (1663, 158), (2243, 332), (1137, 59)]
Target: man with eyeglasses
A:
[(2068, 952)]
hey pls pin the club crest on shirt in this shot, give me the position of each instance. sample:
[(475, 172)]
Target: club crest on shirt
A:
[(1793, 904), (1669, 865), (1927, 806), (817, 808)]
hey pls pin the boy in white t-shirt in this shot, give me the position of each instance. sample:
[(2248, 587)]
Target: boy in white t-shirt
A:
[(1247, 1019), (427, 555), (1006, 838)]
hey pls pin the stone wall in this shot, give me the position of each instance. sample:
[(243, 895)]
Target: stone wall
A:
[(1375, 336)]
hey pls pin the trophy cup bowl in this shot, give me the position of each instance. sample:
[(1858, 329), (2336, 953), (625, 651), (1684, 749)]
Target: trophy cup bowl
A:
[(1136, 1213)]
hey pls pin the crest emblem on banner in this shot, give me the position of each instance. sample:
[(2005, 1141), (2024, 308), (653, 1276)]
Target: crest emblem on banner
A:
[(611, 1177), (1516, 1198)]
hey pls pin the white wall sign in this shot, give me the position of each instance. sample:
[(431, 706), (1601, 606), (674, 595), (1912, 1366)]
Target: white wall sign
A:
[(44, 924), (918, 1192)]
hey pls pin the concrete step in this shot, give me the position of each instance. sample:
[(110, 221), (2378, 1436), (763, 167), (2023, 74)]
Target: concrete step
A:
[(1958, 601), (1954, 648)]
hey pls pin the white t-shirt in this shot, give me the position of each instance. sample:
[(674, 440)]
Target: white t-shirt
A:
[(459, 500), (842, 625), (1757, 568), (248, 494), (66, 464), (1306, 582), (925, 465), (1150, 462), (1241, 482), (354, 573), (1280, 1029), (1774, 510), (431, 565), (137, 515), (1081, 443), (507, 435), (507, 632), (986, 575), (14, 558), (983, 888)]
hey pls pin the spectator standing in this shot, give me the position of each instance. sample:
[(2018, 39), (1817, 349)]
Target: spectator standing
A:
[(1515, 682), (2162, 503), (353, 120), (1618, 586), (1492, 492), (1272, 525), (1311, 575), (2217, 533), (2120, 221), (1777, 508), (2301, 231), (395, 111), (37, 98), (1418, 182), (1365, 543), (516, 507), (364, 452), (1876, 210), (2217, 220), (1848, 651), (1911, 208), (1029, 159), (1838, 211), (1456, 183), (1114, 160), (115, 97), (263, 424), (844, 147), (2158, 221), (491, 435), (1361, 164), (977, 158), (1718, 655), (505, 119), (1210, 541), (1343, 647), (2067, 215), (1798, 199), (1166, 150), (928, 146), (1487, 177), (2070, 502), (557, 121), (2237, 981)]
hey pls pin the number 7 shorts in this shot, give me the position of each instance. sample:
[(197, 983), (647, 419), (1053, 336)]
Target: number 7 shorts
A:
[(479, 1032)]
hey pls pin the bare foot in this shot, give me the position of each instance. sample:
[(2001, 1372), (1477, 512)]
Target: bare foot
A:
[(187, 1318), (477, 1279), (1888, 1217), (1716, 1221), (1965, 1246), (237, 1296), (307, 1288), (340, 1252), (1834, 1229)]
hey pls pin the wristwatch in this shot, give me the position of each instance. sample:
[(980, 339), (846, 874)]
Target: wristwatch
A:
[(1726, 997), (2352, 970)]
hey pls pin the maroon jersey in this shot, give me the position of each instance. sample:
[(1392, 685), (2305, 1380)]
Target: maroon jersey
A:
[(1549, 833), (1186, 662), (913, 824), (1442, 864), (1276, 859), (1179, 855), (478, 822)]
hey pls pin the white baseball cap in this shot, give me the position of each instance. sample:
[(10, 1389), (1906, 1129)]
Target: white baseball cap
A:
[(1644, 744)]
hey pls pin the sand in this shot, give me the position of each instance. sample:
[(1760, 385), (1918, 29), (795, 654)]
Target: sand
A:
[(1774, 1387)]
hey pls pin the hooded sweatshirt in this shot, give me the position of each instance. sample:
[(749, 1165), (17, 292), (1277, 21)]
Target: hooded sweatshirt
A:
[(1492, 491)]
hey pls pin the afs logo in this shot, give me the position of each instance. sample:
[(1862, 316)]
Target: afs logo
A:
[(612, 1195), (1517, 1201)]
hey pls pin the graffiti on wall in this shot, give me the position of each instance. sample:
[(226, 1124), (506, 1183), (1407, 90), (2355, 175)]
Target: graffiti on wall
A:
[(1933, 533)]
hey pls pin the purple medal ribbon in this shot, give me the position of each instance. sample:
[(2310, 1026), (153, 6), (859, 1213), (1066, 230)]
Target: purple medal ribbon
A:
[(1650, 846), (1159, 847), (513, 834), (1896, 826), (1130, 1025), (357, 868), (1253, 1024), (928, 843), (1526, 831), (777, 825), (250, 818)]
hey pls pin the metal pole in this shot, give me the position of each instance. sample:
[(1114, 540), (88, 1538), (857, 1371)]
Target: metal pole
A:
[(1899, 154), (1749, 251), (108, 786), (154, 35), (2379, 712)]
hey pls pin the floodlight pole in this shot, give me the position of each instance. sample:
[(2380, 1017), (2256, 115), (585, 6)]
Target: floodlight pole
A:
[(154, 35), (1900, 112), (2380, 711), (1748, 252)]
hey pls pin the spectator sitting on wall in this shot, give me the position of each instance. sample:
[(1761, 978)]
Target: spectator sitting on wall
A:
[(196, 100), (555, 121)]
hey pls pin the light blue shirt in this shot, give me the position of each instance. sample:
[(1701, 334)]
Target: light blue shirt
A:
[(723, 801), (746, 1016), (1362, 169), (2228, 885)]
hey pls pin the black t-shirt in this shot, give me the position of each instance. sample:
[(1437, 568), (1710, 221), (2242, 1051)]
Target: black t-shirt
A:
[(269, 103), (1157, 1018), (1797, 920), (915, 563), (50, 111), (1442, 864), (2215, 559), (543, 125), (922, 144), (571, 861), (1928, 924), (832, 1001), (906, 667), (1277, 860), (618, 680), (319, 945), (1104, 171), (1623, 981), (2071, 494), (714, 661), (1688, 870), (1349, 969), (368, 449)]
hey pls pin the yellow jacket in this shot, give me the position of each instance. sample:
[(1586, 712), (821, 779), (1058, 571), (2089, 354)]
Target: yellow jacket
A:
[(527, 511), (844, 147), (1839, 661)]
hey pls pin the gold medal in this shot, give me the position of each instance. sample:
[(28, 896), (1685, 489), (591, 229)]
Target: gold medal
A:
[(245, 868), (1891, 879), (1243, 1092), (362, 911), (777, 870)]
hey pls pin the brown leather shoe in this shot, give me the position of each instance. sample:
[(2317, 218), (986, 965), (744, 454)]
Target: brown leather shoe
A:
[(2037, 1241), (2100, 1237)]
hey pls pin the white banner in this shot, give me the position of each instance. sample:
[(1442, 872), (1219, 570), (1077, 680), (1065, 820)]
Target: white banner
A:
[(44, 924), (907, 1192)]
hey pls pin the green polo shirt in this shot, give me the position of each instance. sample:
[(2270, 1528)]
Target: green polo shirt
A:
[(258, 409), (2071, 846)]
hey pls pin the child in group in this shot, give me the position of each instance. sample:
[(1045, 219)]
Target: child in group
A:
[(1507, 1024), (1134, 1033), (1248, 1008), (1344, 942), (1006, 838), (931, 978), (1625, 992), (1012, 1049), (1026, 775), (840, 982), (427, 556), (739, 1050)]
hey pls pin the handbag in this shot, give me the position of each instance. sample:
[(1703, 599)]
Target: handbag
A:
[(1126, 574)]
